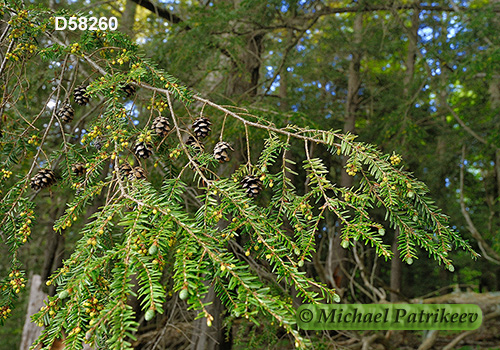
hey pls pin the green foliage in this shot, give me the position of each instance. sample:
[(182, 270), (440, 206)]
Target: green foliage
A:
[(187, 224)]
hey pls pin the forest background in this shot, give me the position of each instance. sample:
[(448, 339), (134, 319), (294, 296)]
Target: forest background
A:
[(420, 80)]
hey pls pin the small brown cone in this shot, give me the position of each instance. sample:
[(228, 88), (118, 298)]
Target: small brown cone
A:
[(66, 113), (201, 127), (124, 170), (143, 149), (221, 150), (137, 173), (80, 95), (44, 178), (161, 126), (251, 185), (78, 169), (195, 144), (129, 90)]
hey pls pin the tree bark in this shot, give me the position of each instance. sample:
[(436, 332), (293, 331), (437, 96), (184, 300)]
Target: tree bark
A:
[(244, 82), (31, 331)]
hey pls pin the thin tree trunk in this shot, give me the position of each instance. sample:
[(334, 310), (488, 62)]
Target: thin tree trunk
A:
[(396, 262), (396, 267), (54, 251), (245, 82), (128, 19), (31, 331), (205, 337), (337, 254), (242, 82)]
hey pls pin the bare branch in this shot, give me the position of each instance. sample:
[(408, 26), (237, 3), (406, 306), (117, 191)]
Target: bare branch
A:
[(483, 245), (392, 7), (467, 128), (461, 336), (160, 11)]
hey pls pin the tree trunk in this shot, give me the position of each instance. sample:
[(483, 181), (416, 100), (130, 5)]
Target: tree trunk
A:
[(396, 267), (337, 254), (396, 262), (128, 19), (31, 331), (244, 82), (207, 338), (54, 251)]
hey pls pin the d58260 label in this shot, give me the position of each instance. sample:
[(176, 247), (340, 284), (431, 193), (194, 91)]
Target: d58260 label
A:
[(84, 23)]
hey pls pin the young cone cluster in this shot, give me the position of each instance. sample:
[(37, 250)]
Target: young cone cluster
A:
[(197, 145), (78, 169), (251, 185), (161, 126), (44, 178), (66, 113), (80, 95), (201, 127), (143, 149), (220, 151)]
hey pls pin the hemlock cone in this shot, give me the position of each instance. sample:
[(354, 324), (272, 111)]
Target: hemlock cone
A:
[(80, 95), (129, 90), (251, 185), (78, 169), (137, 173), (124, 170), (197, 145), (66, 113), (44, 178), (221, 150), (161, 126), (201, 127), (143, 149)]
